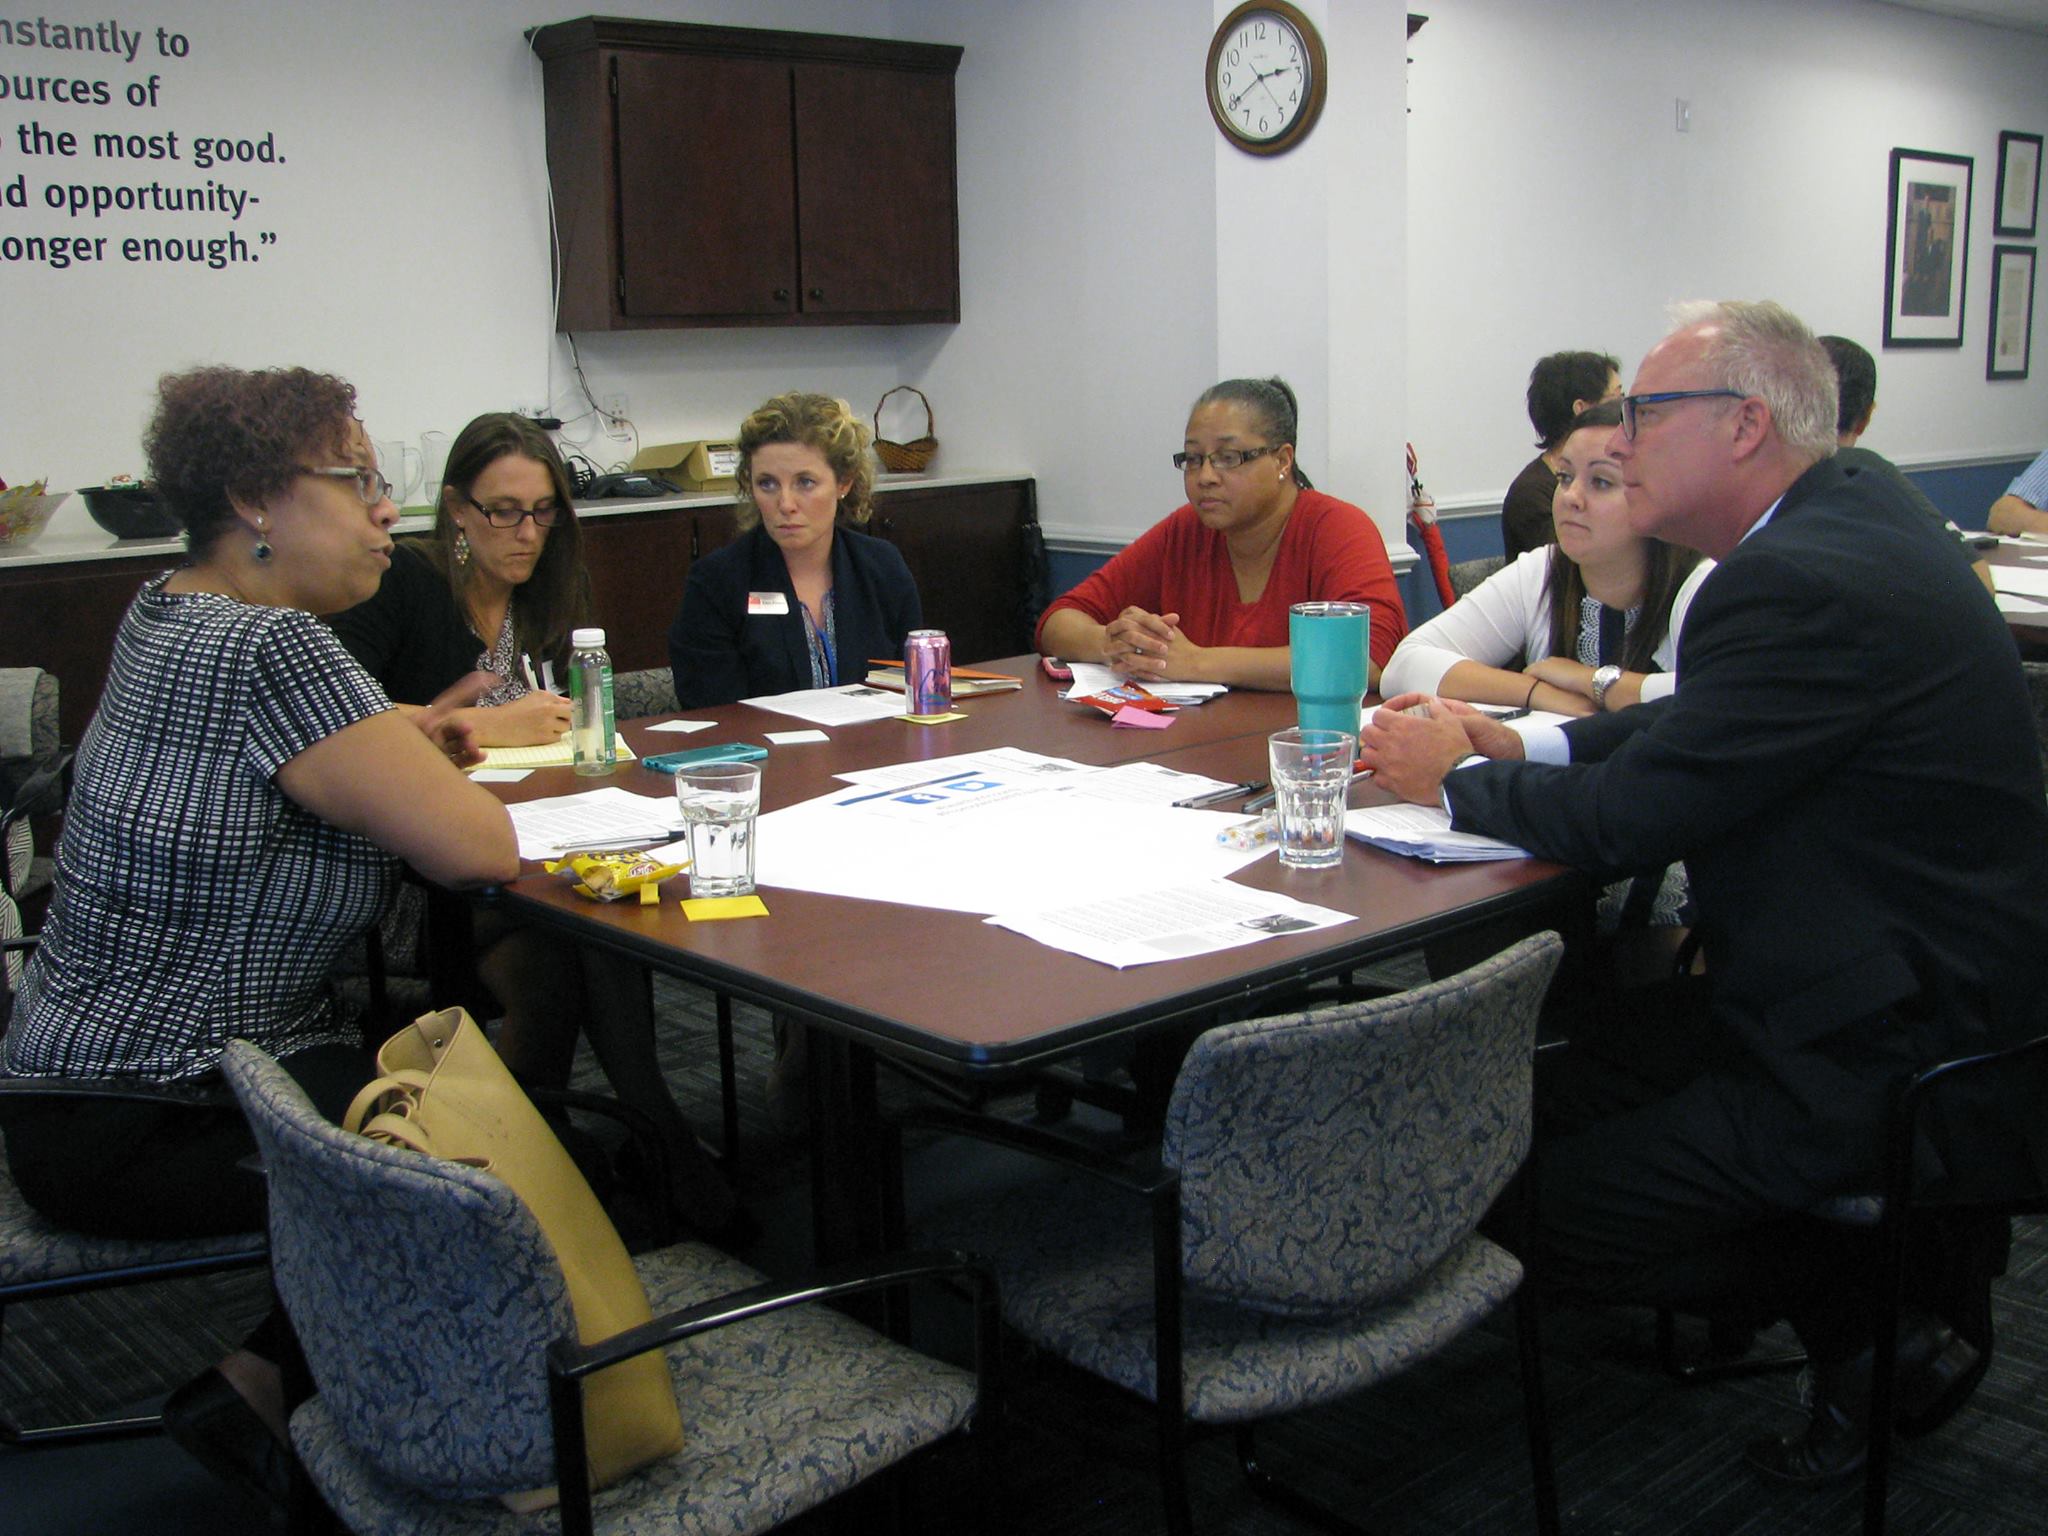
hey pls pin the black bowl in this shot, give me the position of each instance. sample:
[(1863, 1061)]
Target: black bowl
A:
[(131, 511)]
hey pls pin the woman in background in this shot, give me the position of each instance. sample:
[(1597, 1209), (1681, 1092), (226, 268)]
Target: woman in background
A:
[(802, 599), (238, 801), (1203, 596), (1589, 623), (500, 582), (499, 586)]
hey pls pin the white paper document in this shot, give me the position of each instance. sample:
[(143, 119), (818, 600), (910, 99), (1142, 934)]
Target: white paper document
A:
[(1141, 927), (2026, 580), (795, 738), (929, 770), (1423, 832), (2012, 602), (980, 851), (1093, 677), (683, 727), (848, 704), (598, 818)]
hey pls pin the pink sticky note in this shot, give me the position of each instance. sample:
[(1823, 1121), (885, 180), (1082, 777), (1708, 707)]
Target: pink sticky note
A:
[(1141, 719)]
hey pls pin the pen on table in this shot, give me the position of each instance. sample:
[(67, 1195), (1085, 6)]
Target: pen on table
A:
[(1227, 792), (1271, 797), (526, 664)]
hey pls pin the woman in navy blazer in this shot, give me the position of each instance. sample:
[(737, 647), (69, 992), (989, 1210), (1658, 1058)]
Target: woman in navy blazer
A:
[(800, 599)]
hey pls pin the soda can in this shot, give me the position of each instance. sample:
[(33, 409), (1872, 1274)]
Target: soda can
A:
[(928, 671)]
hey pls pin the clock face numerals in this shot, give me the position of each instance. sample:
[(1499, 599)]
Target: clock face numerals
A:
[(1261, 78)]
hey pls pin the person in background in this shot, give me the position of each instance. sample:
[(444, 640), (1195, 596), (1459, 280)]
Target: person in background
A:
[(498, 587), (1591, 622), (1856, 379), (240, 798), (1203, 596), (2024, 506), (802, 598), (1840, 667), (1560, 386)]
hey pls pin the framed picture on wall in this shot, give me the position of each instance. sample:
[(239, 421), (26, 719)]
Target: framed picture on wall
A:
[(1927, 249), (2012, 312), (2019, 183)]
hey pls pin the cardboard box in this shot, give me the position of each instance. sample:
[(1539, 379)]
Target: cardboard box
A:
[(699, 466)]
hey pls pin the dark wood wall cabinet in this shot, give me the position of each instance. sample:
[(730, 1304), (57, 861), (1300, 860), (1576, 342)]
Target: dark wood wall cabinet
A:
[(729, 176), (971, 547)]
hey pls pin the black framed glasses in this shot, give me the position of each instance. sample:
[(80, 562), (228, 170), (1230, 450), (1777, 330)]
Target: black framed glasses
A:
[(509, 517), (370, 485), (1225, 459), (1631, 405)]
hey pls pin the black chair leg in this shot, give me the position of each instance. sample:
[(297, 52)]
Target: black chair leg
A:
[(1536, 1408), (728, 1084), (1173, 1471)]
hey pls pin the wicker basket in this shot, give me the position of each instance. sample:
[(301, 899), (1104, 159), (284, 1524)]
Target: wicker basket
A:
[(905, 458)]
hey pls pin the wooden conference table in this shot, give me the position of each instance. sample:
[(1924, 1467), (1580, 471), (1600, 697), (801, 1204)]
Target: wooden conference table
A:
[(950, 992)]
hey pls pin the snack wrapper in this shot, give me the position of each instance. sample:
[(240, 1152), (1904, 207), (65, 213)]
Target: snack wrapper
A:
[(615, 876)]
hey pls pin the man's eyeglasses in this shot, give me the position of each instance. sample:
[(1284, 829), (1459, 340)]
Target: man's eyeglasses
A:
[(1225, 459), (370, 485), (1631, 405), (508, 517)]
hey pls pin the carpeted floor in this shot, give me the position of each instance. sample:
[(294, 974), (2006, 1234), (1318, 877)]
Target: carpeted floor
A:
[(1438, 1451)]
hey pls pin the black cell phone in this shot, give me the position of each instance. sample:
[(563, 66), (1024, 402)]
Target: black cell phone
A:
[(1056, 669), (692, 757)]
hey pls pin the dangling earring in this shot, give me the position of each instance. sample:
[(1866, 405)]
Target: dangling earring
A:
[(461, 547), (262, 551)]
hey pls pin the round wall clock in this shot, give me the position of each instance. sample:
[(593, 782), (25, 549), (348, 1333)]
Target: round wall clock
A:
[(1266, 76)]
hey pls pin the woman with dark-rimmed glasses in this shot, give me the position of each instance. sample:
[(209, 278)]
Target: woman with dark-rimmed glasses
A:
[(499, 586), (1203, 596)]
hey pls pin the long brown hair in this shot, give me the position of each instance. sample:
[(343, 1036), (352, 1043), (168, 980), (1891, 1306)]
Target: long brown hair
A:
[(1668, 566), (556, 597)]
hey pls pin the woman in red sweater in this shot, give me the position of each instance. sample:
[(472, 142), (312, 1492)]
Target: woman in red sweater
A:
[(1203, 596)]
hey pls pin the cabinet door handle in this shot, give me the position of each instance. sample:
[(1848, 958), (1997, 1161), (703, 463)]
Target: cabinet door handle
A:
[(782, 295), (817, 293)]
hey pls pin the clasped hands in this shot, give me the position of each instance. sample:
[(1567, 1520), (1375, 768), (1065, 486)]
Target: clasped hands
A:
[(447, 723), (1149, 648), (1409, 751)]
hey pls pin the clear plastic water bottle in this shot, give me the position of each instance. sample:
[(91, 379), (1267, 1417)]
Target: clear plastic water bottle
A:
[(592, 734)]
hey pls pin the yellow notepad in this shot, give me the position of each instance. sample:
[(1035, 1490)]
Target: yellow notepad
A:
[(554, 755)]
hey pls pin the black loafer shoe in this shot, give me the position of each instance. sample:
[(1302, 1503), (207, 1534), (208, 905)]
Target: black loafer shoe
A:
[(1936, 1384), (1831, 1447), (212, 1422)]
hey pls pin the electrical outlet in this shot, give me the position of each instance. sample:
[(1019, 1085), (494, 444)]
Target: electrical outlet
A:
[(612, 410)]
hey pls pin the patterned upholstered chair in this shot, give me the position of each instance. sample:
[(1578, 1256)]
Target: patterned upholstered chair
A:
[(437, 1326), (2037, 688), (648, 691), (39, 1259), (1467, 574), (33, 781), (1312, 1215)]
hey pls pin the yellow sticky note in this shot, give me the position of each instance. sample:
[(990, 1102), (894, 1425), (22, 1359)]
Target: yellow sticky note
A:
[(711, 909), (935, 719)]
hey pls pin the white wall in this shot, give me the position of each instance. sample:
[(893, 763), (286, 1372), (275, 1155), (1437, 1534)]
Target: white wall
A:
[(1553, 205), (1117, 256)]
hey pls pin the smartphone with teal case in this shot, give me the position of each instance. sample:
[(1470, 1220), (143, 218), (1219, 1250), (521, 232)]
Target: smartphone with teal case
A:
[(724, 752)]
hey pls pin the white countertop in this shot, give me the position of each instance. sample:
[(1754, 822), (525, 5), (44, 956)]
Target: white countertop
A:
[(74, 537)]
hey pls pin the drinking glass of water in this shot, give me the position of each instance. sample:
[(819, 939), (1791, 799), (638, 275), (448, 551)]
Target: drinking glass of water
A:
[(1311, 778), (720, 802)]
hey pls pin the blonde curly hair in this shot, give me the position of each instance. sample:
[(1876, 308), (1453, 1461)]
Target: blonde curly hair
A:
[(818, 422)]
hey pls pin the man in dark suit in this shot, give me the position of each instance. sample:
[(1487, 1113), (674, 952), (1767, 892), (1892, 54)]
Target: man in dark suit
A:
[(1850, 773)]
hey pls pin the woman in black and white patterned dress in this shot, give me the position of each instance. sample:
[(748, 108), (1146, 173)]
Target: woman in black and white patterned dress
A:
[(240, 800)]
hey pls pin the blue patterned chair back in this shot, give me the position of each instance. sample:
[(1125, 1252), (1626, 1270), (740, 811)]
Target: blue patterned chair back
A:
[(413, 1284), (1330, 1158)]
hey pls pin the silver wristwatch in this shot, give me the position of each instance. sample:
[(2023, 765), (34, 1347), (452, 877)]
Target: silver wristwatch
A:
[(1604, 678)]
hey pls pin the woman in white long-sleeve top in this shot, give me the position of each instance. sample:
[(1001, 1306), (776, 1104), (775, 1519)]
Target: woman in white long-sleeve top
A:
[(1591, 622)]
